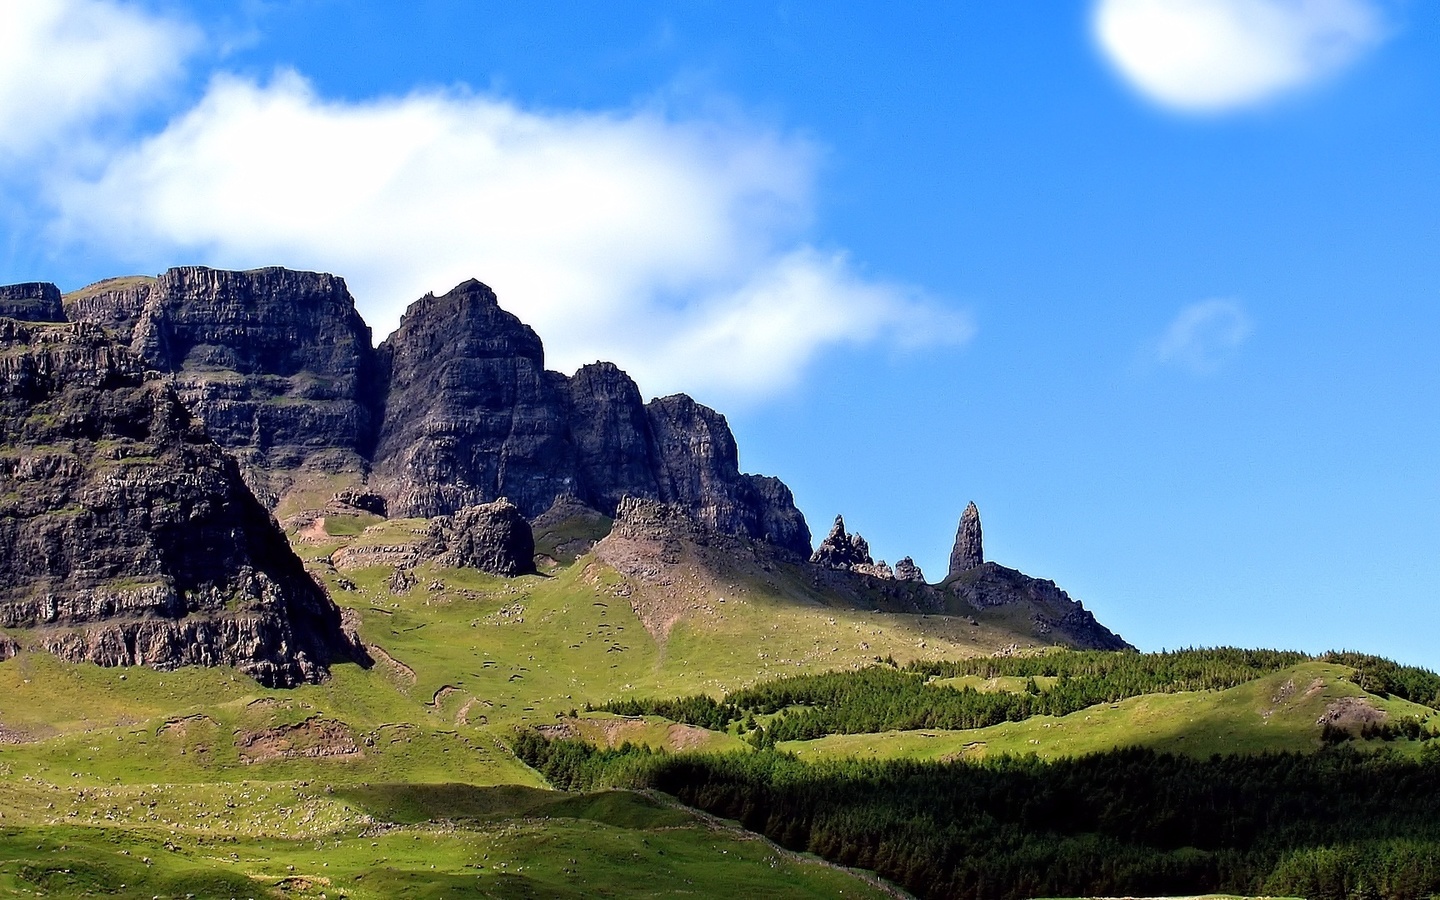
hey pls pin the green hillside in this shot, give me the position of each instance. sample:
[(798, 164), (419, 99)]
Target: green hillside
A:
[(400, 779)]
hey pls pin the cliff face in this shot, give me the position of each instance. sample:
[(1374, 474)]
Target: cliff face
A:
[(127, 537), (455, 409), (34, 301), (698, 469), (277, 364), (471, 415)]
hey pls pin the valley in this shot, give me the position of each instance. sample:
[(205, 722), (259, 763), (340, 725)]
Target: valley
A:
[(284, 614)]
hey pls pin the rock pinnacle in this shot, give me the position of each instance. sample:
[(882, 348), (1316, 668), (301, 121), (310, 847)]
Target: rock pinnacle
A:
[(969, 551)]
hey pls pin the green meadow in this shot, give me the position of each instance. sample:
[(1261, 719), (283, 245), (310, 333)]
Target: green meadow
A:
[(399, 779)]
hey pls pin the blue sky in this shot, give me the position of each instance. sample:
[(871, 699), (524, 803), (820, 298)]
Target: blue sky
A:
[(1152, 281)]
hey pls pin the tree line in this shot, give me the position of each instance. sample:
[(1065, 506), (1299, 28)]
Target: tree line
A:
[(1333, 825), (893, 698)]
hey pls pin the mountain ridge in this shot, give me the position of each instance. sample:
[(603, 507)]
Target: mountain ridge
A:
[(454, 420)]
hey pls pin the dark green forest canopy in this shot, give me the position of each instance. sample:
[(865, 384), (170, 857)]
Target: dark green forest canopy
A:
[(1333, 824), (890, 698)]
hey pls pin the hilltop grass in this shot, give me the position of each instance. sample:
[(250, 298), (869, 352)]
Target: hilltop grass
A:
[(1274, 713)]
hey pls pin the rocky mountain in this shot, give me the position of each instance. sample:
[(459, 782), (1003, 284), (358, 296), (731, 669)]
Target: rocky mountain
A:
[(676, 567), (456, 412), (455, 409), (277, 364), (472, 415), (1035, 605), (851, 553), (35, 301), (127, 536)]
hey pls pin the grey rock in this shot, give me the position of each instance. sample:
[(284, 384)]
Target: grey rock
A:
[(610, 428), (1052, 611), (34, 301), (115, 304), (969, 549), (906, 570), (878, 569), (127, 537), (699, 470), (841, 550), (471, 413), (492, 537), (277, 364), (455, 409)]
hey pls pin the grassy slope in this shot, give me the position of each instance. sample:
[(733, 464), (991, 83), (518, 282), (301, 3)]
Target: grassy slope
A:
[(112, 763), (1277, 712)]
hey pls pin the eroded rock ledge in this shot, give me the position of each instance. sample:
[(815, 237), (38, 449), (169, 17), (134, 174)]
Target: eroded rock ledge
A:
[(127, 536)]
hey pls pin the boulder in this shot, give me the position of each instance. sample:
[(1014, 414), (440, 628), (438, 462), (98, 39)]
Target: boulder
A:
[(491, 537), (906, 570)]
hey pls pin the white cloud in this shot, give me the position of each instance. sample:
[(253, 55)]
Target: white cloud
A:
[(63, 63), (671, 247), (1204, 336), (1216, 55)]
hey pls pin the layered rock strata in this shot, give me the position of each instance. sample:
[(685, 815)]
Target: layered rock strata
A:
[(35, 301), (277, 364), (127, 537), (471, 415), (455, 409)]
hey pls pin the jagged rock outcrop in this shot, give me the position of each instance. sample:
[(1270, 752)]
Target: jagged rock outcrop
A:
[(1052, 611), (492, 537), (127, 536), (841, 550), (455, 409), (610, 429), (277, 364), (699, 470), (472, 415), (114, 304), (34, 301), (906, 570), (676, 568), (969, 550)]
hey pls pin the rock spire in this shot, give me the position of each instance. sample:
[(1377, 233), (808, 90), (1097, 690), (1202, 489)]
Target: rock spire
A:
[(841, 550), (969, 551)]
